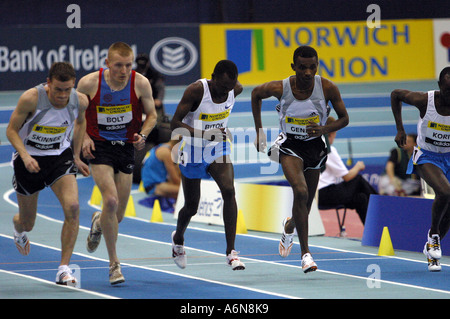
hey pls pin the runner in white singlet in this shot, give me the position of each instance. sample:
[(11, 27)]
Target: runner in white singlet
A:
[(40, 131), (201, 117), (300, 149), (431, 157)]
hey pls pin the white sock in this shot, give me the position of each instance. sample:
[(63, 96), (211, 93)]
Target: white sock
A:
[(64, 268), (19, 234)]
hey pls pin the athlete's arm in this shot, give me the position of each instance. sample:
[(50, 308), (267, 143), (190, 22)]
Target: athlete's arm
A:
[(190, 100), (263, 91), (88, 85), (79, 132), (333, 95), (238, 88), (417, 99), (26, 106), (144, 93)]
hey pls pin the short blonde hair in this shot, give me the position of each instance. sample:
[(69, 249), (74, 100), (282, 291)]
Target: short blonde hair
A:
[(121, 48)]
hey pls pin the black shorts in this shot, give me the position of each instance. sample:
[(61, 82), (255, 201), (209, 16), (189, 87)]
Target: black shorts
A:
[(312, 152), (118, 155), (52, 167)]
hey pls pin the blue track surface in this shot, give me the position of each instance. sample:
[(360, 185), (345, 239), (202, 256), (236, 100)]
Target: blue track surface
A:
[(345, 267), (158, 281)]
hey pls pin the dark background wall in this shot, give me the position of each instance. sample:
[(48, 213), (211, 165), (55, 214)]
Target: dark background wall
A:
[(13, 12)]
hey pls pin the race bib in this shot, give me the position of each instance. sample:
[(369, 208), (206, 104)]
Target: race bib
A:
[(214, 120), (297, 126), (438, 134), (46, 137), (113, 118)]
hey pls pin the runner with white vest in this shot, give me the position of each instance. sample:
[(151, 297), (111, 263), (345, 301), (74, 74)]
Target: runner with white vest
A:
[(40, 130), (299, 148), (201, 118), (431, 157)]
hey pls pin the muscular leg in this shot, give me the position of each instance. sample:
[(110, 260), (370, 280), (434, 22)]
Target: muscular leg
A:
[(191, 191), (440, 218), (312, 180), (304, 186), (123, 185), (66, 190), (104, 178), (24, 220), (223, 173), (445, 223)]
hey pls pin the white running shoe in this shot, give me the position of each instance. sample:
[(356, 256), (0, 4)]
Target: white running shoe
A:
[(286, 241), (64, 277), (234, 262), (95, 234), (178, 254), (433, 246), (433, 264), (308, 263), (22, 243)]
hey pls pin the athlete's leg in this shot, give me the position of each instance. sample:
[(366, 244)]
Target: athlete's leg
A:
[(445, 223), (104, 178), (223, 173), (26, 217), (123, 183), (191, 191), (66, 190), (293, 170), (434, 177), (312, 180)]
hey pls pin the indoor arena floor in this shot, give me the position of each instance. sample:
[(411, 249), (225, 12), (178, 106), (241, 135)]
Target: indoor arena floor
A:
[(346, 269)]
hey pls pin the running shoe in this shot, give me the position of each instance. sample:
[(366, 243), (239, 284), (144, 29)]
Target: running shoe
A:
[(115, 274), (178, 254), (308, 263), (64, 277), (433, 246), (286, 242), (234, 262), (95, 234), (22, 243), (433, 264)]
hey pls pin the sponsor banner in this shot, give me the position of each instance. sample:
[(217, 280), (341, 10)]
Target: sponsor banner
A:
[(441, 33), (26, 53), (348, 51), (263, 206)]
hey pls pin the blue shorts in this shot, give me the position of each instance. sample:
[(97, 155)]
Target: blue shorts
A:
[(421, 156), (194, 161)]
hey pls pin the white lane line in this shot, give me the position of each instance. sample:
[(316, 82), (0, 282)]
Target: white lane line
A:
[(243, 258)]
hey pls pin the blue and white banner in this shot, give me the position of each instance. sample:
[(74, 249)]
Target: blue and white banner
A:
[(26, 53)]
